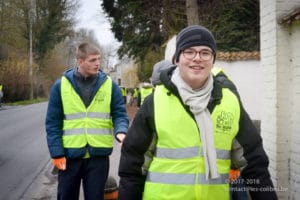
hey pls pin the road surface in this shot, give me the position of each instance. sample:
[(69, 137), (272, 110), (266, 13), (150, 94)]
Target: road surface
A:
[(25, 168), (23, 150)]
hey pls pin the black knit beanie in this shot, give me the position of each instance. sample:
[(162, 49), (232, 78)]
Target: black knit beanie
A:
[(194, 36)]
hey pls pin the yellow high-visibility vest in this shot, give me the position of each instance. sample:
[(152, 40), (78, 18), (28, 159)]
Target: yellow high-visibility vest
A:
[(145, 92), (177, 170), (123, 91), (135, 93), (216, 70), (91, 125)]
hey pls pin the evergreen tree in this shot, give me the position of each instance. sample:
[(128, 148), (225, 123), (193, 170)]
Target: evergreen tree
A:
[(144, 26), (54, 23), (235, 23)]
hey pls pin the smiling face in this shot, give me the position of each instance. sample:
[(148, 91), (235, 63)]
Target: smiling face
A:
[(195, 71)]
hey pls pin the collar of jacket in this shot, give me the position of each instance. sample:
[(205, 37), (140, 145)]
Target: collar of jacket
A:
[(82, 78), (69, 74)]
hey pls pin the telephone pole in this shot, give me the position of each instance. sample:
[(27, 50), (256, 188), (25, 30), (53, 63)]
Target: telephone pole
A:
[(31, 20)]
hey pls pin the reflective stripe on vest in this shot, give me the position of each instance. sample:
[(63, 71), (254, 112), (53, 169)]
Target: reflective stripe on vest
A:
[(178, 164), (89, 115), (90, 131), (188, 152), (185, 179), (91, 125)]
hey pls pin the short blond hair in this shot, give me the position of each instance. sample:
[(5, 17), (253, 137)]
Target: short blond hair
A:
[(86, 49)]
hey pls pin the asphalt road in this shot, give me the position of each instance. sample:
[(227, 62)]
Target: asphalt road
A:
[(23, 150), (25, 169)]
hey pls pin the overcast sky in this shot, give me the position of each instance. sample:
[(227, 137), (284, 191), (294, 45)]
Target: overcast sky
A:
[(91, 16)]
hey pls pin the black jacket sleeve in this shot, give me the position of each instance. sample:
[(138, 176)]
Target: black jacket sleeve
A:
[(255, 172), (136, 143), (248, 153), (223, 80)]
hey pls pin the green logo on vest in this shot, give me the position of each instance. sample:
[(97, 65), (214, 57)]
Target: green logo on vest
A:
[(225, 122), (100, 97)]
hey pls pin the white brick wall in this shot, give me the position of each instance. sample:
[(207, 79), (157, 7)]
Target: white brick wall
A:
[(295, 114), (247, 77), (280, 62), (268, 63)]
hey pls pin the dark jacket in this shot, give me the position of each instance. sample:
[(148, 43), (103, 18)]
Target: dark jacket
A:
[(247, 153), (55, 116)]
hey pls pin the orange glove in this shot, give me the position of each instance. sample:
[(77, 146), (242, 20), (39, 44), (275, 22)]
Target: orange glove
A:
[(234, 174), (60, 163)]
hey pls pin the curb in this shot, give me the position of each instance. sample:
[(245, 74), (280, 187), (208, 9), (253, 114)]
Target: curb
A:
[(44, 186)]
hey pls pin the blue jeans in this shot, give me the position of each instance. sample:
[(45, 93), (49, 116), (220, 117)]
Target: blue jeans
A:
[(238, 190), (92, 171)]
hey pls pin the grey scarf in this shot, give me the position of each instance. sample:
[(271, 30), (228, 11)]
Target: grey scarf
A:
[(197, 101)]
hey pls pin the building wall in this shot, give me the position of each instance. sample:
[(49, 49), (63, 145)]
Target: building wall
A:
[(119, 70), (280, 95), (246, 75), (294, 174)]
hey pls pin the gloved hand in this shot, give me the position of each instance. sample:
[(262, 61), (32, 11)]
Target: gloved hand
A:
[(234, 175), (60, 163)]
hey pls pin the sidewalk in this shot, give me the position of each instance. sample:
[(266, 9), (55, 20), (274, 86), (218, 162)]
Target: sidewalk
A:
[(44, 187)]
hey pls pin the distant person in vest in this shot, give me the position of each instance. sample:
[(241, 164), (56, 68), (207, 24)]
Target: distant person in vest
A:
[(1, 94), (124, 93), (145, 90), (135, 96), (148, 88), (201, 128), (85, 112)]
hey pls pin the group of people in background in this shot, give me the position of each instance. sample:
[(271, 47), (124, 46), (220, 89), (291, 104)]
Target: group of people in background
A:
[(190, 131), (136, 96), (130, 95)]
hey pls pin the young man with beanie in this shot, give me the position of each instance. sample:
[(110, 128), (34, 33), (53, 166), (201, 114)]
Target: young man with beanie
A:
[(85, 112), (201, 128)]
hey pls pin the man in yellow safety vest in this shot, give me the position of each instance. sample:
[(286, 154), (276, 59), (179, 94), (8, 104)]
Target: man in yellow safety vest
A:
[(201, 129), (85, 113)]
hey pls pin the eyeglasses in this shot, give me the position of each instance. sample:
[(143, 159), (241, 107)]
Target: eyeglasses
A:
[(190, 54)]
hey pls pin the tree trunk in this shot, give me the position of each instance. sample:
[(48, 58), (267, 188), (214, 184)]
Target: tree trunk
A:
[(192, 12)]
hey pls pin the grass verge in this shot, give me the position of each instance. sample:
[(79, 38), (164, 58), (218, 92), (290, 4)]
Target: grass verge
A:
[(27, 102)]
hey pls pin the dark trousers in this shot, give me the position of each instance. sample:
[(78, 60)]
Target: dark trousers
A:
[(238, 190), (92, 171)]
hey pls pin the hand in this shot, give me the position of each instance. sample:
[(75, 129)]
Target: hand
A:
[(121, 137), (234, 175), (60, 163)]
